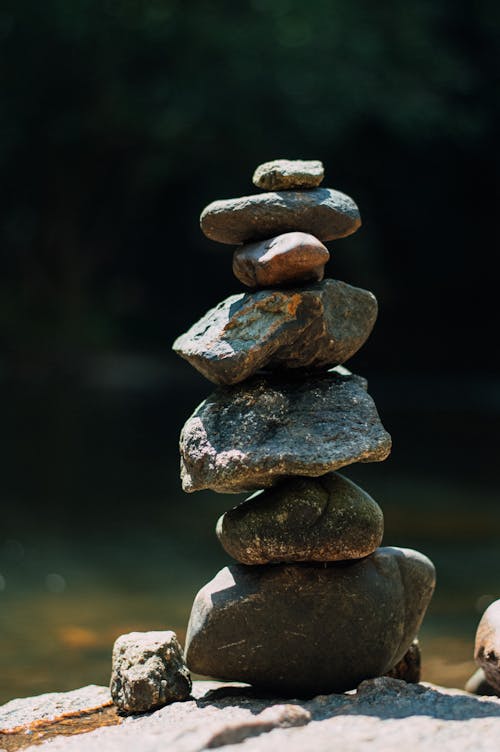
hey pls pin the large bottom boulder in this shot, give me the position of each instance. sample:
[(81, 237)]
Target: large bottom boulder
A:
[(306, 629)]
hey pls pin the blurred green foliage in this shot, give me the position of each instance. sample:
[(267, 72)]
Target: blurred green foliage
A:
[(120, 118)]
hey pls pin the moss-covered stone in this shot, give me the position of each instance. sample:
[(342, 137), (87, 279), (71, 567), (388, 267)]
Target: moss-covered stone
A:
[(303, 519)]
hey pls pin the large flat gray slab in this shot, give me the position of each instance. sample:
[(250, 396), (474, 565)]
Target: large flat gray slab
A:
[(384, 714)]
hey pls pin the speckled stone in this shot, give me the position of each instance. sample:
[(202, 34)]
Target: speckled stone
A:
[(286, 174), (148, 671), (303, 519), (323, 212), (301, 629), (313, 327), (249, 436), (286, 259)]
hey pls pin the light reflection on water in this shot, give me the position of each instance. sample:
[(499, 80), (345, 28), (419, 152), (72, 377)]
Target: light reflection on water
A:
[(98, 539)]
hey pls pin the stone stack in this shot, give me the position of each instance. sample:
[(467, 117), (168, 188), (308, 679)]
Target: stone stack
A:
[(312, 605)]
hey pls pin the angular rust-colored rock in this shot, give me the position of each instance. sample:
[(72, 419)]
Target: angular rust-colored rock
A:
[(313, 327), (289, 258), (487, 648), (247, 437), (310, 629), (303, 519), (323, 212), (288, 174)]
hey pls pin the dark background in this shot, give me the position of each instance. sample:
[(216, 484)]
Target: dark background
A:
[(119, 121)]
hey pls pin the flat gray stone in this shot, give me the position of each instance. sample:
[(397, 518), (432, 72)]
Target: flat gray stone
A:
[(313, 327), (384, 715), (287, 259), (487, 648), (300, 630), (303, 519), (286, 174), (248, 436), (148, 671), (323, 212)]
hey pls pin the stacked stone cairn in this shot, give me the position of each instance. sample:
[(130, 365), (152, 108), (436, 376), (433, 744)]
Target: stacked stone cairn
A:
[(313, 605)]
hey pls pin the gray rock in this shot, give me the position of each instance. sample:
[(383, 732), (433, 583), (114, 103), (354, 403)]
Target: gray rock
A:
[(247, 437), (313, 327), (487, 648), (409, 668), (289, 258), (384, 715), (52, 707), (303, 519), (478, 685), (304, 629), (286, 174), (148, 671), (322, 212)]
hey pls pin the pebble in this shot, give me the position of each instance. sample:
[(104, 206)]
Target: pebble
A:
[(303, 630), (288, 174), (409, 668), (303, 519), (289, 258), (148, 671), (313, 327), (323, 212), (477, 684), (247, 437), (487, 649)]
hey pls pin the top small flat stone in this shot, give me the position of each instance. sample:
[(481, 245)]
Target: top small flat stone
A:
[(287, 174)]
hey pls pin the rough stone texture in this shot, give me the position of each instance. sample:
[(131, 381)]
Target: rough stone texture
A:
[(384, 715), (322, 212), (478, 685), (409, 667), (302, 629), (247, 437), (312, 327), (289, 258), (148, 671), (286, 174), (49, 707), (487, 650), (303, 519)]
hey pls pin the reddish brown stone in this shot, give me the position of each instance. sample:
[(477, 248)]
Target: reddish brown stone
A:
[(285, 259), (312, 327)]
